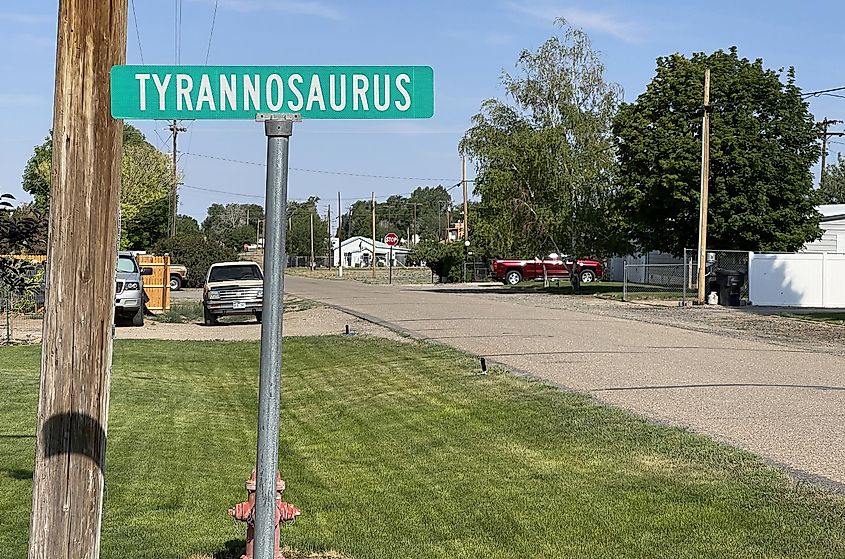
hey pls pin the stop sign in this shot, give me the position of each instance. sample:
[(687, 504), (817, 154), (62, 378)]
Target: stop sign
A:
[(391, 239)]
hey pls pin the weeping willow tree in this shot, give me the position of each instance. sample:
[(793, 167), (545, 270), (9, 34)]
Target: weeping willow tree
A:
[(544, 156)]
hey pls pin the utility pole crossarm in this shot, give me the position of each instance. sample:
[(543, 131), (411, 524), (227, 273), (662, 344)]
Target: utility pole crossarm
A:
[(825, 135)]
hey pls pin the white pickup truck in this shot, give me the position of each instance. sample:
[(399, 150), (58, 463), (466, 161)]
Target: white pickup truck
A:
[(232, 288)]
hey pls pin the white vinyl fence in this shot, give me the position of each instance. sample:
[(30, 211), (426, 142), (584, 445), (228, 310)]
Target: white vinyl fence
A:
[(797, 280)]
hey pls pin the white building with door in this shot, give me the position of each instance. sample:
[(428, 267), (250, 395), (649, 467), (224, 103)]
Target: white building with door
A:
[(357, 252), (833, 230)]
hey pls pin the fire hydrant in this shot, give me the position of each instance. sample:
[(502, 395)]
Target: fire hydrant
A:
[(245, 512)]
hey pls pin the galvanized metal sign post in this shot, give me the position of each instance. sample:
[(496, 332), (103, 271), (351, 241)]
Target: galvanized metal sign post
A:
[(278, 129), (278, 96)]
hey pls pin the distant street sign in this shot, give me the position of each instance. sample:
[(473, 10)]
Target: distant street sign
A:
[(391, 239), (241, 92)]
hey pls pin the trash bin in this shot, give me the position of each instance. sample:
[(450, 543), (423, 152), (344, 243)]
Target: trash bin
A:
[(729, 284)]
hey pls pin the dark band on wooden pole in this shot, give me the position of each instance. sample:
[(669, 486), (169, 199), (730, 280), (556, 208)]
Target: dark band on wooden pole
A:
[(73, 404)]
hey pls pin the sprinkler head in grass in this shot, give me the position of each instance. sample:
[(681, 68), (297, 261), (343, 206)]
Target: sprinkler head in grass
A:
[(483, 366)]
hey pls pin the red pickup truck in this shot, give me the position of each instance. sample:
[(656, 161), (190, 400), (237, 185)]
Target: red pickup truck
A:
[(514, 271)]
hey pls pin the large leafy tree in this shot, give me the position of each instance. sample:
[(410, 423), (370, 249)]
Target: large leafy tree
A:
[(233, 224), (298, 242), (23, 230), (544, 157), (423, 214), (146, 183), (832, 190), (762, 144)]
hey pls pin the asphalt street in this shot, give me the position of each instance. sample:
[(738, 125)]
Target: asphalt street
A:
[(785, 404)]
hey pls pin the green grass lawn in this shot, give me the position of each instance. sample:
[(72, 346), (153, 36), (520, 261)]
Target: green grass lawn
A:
[(398, 450), (837, 318)]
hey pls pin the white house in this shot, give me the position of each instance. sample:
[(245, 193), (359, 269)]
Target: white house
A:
[(833, 228), (358, 253)]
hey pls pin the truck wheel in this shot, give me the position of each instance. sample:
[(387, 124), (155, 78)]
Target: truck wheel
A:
[(175, 283), (258, 317), (138, 317), (513, 277), (210, 317), (588, 276)]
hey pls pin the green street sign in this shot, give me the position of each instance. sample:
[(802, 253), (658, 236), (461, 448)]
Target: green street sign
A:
[(241, 92)]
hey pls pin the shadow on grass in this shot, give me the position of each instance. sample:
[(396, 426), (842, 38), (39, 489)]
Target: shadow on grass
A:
[(233, 549), (17, 473), (597, 288)]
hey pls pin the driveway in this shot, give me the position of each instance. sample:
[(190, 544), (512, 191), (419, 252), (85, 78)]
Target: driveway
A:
[(784, 403)]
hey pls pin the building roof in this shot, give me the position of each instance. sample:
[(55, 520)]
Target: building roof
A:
[(831, 210), (830, 218), (367, 244)]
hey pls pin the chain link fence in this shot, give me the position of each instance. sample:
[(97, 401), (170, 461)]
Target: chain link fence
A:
[(21, 312), (476, 271), (680, 280), (716, 261), (653, 281)]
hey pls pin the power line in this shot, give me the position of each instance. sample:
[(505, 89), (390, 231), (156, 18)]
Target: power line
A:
[(822, 91), (137, 32), (343, 173), (211, 34)]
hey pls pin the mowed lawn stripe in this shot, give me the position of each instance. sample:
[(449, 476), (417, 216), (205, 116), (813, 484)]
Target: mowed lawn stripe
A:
[(402, 450)]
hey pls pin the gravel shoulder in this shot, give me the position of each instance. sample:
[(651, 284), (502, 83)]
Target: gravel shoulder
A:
[(310, 319), (762, 324)]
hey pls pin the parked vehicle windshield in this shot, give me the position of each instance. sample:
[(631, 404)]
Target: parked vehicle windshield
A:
[(126, 264), (229, 273)]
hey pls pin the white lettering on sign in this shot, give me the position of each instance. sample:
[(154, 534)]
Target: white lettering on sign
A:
[(275, 104), (400, 79), (228, 92), (275, 92), (300, 102), (205, 95), (184, 85), (360, 85), (315, 94), (340, 105), (142, 99), (162, 88), (251, 93), (385, 92)]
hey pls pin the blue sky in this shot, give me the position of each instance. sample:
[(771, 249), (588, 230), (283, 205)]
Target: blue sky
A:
[(468, 43)]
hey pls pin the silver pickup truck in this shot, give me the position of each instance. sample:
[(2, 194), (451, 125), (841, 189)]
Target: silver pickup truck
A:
[(129, 289)]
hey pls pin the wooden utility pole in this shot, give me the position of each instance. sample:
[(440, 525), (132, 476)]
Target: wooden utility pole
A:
[(705, 179), (825, 123), (464, 183), (174, 129), (67, 487), (329, 228), (339, 237), (374, 234), (311, 264)]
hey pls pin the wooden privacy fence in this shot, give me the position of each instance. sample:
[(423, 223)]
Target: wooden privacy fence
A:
[(157, 285)]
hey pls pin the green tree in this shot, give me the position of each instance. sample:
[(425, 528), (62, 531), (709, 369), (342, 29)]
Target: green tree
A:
[(545, 165), (299, 229), (423, 214), (196, 252), (832, 190), (762, 144), (444, 259), (22, 231), (146, 183), (233, 224), (187, 224)]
